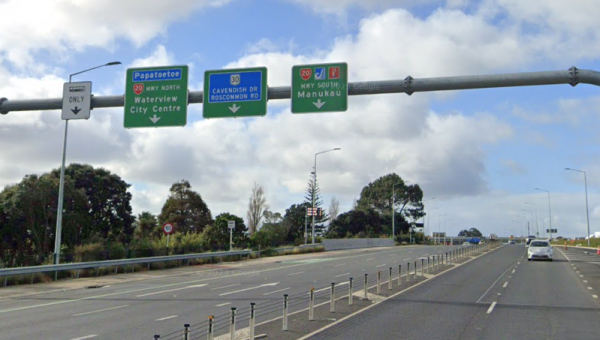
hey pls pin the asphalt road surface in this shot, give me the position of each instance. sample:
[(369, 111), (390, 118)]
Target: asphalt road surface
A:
[(500, 295), (138, 310)]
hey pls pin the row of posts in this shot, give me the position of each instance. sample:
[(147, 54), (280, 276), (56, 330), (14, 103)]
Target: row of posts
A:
[(436, 260)]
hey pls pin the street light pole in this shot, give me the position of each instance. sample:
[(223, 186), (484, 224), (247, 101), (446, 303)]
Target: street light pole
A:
[(394, 210), (61, 186), (313, 191), (587, 212), (549, 210), (531, 219)]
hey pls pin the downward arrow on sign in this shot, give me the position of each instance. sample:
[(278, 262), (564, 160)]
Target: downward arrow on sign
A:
[(154, 119), (319, 104), (75, 110), (234, 108)]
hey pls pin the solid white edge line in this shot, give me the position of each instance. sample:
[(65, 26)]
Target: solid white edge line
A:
[(381, 265), (493, 284), (86, 337), (342, 275), (172, 290), (167, 318), (100, 310), (341, 264), (360, 311), (298, 273), (491, 307)]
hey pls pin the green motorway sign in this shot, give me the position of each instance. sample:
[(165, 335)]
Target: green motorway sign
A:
[(320, 88), (156, 96), (235, 93)]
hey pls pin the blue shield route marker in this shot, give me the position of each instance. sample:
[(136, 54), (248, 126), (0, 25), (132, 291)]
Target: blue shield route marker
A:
[(235, 93)]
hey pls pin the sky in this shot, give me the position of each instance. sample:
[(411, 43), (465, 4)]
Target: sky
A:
[(478, 155)]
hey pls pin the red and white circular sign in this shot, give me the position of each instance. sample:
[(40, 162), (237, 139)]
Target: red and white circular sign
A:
[(167, 228)]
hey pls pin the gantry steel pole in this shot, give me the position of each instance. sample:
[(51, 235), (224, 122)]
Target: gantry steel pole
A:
[(408, 85)]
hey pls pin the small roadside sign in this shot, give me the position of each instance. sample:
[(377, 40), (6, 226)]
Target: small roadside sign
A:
[(156, 96), (231, 224), (320, 88), (167, 228), (235, 93), (77, 98)]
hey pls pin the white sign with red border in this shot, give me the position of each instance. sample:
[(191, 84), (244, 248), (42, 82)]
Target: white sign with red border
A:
[(167, 228)]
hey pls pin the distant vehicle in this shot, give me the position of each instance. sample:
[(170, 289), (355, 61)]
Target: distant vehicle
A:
[(466, 243), (511, 242), (529, 239), (539, 250), (474, 240)]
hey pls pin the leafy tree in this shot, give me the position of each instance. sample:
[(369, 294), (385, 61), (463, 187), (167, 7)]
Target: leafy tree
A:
[(146, 225), (185, 209), (294, 221), (355, 222), (272, 217), (472, 232), (108, 199), (334, 208), (256, 207), (218, 233)]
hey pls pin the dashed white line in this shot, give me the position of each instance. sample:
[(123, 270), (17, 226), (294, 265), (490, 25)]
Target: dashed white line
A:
[(513, 271), (584, 281), (595, 296), (100, 310), (407, 259), (505, 284), (166, 318), (339, 265), (491, 307), (381, 265), (276, 291), (223, 304), (172, 290), (298, 273), (86, 337), (372, 258), (345, 274), (590, 288), (233, 285)]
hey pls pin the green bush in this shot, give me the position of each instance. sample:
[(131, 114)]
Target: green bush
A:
[(90, 252)]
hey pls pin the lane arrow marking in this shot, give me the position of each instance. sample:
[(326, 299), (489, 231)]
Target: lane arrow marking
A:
[(75, 110), (243, 290), (319, 104), (154, 119), (234, 108)]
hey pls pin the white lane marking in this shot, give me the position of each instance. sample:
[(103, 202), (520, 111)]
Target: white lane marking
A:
[(341, 264), (410, 252), (590, 288), (381, 265), (233, 285), (167, 318), (580, 275), (298, 273), (407, 259), (172, 290), (101, 310), (342, 274), (3, 311), (86, 337), (595, 296), (223, 304), (372, 258), (493, 284), (584, 281), (518, 262), (246, 289), (513, 271), (491, 307), (505, 284), (277, 291)]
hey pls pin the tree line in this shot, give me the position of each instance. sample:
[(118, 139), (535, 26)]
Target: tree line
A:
[(98, 222)]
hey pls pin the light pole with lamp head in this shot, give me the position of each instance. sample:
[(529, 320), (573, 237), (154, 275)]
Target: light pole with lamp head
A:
[(394, 210), (313, 194), (537, 226), (61, 186), (531, 219), (549, 210), (587, 212)]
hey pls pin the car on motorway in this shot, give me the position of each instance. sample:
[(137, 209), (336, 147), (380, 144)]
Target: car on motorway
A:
[(511, 242), (466, 244), (528, 240), (539, 250)]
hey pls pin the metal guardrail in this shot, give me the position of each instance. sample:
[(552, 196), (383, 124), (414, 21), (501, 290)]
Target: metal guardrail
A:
[(115, 263)]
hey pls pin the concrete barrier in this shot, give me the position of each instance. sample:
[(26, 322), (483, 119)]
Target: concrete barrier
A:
[(351, 243)]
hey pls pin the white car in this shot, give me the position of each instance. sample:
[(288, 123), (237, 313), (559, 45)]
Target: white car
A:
[(539, 250)]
